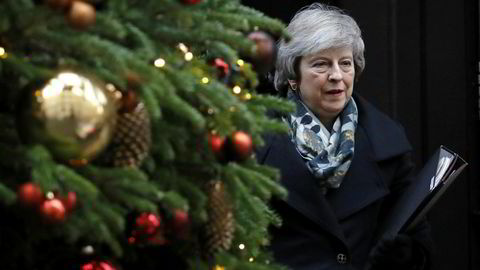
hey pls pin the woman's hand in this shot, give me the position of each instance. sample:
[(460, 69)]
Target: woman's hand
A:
[(401, 253)]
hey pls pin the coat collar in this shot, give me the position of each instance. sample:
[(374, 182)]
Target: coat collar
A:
[(386, 136)]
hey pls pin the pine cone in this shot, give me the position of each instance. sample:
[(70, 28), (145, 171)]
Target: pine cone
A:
[(132, 138), (221, 225)]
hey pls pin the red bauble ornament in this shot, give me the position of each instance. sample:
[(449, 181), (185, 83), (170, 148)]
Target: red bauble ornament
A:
[(264, 57), (94, 265), (191, 2), (180, 223), (30, 194), (264, 45), (81, 14), (180, 218), (148, 228), (240, 146), (53, 210), (147, 223), (69, 201), (222, 66), (217, 144)]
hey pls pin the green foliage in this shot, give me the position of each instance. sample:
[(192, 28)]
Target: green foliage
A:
[(7, 195), (127, 37)]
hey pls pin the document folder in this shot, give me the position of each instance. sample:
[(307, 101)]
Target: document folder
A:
[(432, 181)]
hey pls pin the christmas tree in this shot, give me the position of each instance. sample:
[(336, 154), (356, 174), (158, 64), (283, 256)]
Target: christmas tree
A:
[(127, 130)]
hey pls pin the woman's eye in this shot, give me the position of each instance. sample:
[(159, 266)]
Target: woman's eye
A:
[(346, 63), (320, 64)]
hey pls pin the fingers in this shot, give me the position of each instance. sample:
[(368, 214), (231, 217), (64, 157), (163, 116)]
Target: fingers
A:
[(392, 252)]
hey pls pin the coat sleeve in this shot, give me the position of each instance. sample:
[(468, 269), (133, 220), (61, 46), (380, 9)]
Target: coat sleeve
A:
[(420, 234)]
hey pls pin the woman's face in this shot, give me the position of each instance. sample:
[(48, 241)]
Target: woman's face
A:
[(326, 82)]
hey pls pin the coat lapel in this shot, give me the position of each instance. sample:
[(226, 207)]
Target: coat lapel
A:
[(303, 193), (377, 139), (363, 183)]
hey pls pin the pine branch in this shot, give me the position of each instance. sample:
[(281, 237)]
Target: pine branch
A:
[(7, 196), (126, 38), (75, 182)]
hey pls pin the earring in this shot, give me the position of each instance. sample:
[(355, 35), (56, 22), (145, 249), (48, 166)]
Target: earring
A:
[(292, 84)]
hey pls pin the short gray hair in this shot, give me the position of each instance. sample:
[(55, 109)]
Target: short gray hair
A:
[(315, 28)]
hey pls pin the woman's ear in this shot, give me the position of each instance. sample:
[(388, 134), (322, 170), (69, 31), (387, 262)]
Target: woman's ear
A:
[(293, 84)]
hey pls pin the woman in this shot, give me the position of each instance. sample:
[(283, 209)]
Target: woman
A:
[(343, 163)]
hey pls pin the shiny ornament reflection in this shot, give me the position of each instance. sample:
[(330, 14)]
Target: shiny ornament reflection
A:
[(72, 115)]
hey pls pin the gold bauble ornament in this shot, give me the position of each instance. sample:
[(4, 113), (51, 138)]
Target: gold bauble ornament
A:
[(71, 114)]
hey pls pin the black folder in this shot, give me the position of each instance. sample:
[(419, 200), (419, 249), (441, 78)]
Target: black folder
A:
[(440, 171)]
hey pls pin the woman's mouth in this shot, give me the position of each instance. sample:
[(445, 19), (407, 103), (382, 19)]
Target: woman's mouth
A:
[(334, 92)]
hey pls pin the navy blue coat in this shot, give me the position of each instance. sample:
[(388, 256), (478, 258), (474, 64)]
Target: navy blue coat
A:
[(338, 230)]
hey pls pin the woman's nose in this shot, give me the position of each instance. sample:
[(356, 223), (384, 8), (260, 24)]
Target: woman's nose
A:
[(335, 73)]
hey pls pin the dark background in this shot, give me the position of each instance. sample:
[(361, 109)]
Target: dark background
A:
[(422, 69)]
